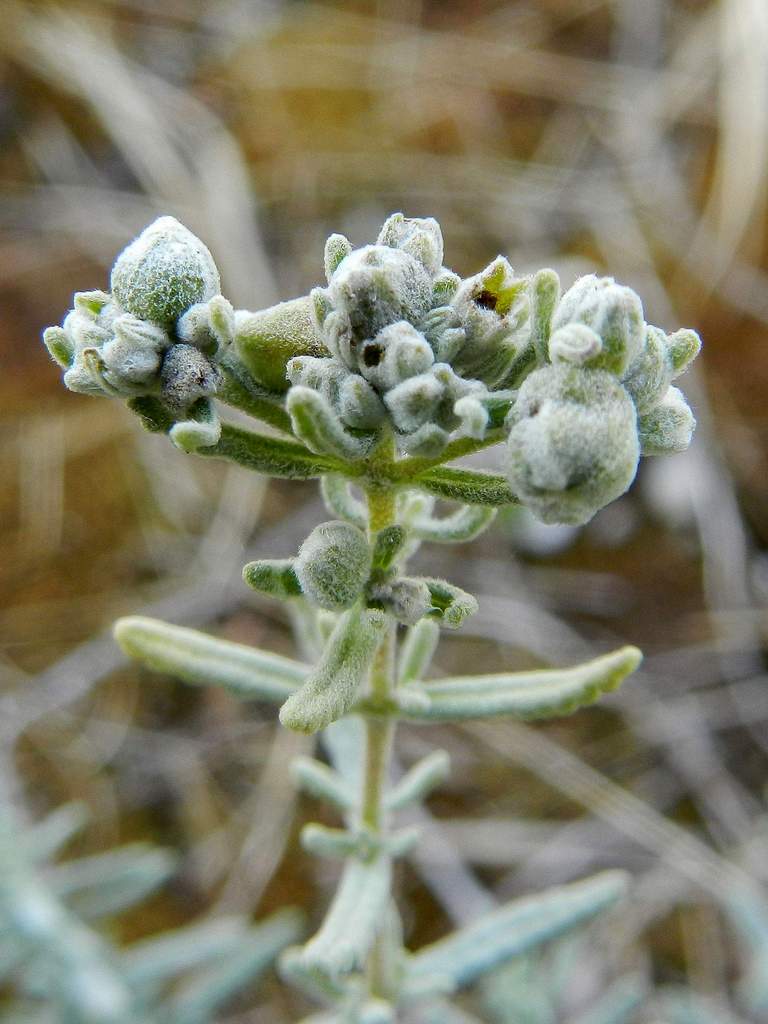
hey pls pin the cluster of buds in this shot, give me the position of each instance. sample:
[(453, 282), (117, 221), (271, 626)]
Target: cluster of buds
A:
[(410, 344), (604, 397), (158, 332), (397, 344)]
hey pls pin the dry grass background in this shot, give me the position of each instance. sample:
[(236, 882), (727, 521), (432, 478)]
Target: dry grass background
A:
[(615, 134)]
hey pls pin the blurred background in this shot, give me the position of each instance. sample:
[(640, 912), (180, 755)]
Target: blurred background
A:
[(612, 135)]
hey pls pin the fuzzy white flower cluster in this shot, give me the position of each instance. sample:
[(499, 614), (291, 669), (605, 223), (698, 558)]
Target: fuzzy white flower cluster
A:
[(579, 384), (158, 331)]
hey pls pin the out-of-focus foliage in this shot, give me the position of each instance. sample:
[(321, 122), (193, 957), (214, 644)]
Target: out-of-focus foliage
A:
[(583, 135)]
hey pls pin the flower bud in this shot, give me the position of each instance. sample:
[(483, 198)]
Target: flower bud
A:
[(185, 376), (163, 272), (574, 343), (420, 237), (493, 308), (662, 358), (573, 445), (376, 286), (668, 427), (614, 313), (333, 565), (133, 355), (397, 353), (266, 340)]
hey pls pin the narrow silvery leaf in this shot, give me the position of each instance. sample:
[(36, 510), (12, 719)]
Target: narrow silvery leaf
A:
[(150, 962), (450, 604), (201, 429), (202, 660), (313, 983), (545, 291), (107, 883), (328, 842), (353, 919), (528, 695), (466, 486), (323, 782), (619, 1004), (271, 456), (463, 525), (685, 1007), (417, 651), (420, 780), (238, 389), (340, 502), (376, 1011), (345, 743), (516, 928), (273, 576), (199, 1000), (336, 248), (318, 426), (44, 839), (332, 686)]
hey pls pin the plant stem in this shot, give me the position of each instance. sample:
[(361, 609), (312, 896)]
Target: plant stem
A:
[(379, 731)]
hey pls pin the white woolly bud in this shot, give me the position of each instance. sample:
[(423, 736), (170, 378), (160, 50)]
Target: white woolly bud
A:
[(414, 401), (185, 376), (359, 404), (573, 445), (163, 272), (333, 565), (408, 600), (574, 343), (662, 358), (395, 354), (420, 237), (493, 308), (209, 326), (134, 354), (376, 286), (428, 441), (668, 427), (614, 313), (265, 341)]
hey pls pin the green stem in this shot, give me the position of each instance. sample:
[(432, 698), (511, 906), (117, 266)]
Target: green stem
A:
[(379, 730)]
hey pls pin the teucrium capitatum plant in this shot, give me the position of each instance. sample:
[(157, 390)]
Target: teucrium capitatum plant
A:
[(373, 384)]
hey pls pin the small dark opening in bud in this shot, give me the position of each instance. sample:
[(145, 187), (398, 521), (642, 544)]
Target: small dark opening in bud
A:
[(487, 300), (372, 355)]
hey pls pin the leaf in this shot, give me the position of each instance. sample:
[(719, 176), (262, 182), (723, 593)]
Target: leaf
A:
[(463, 525), (465, 485), (200, 429), (107, 883), (419, 780), (44, 839), (198, 1001), (618, 1004), (151, 961), (332, 687), (239, 389), (273, 576), (272, 456), (417, 651), (527, 695), (203, 660), (353, 919), (322, 782), (318, 426), (450, 604), (515, 928)]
